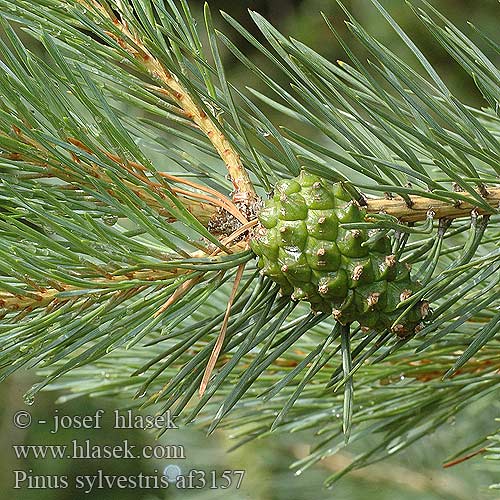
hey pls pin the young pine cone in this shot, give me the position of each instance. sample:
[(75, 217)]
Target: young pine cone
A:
[(302, 247)]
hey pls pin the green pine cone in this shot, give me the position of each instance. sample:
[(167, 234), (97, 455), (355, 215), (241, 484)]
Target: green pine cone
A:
[(302, 247)]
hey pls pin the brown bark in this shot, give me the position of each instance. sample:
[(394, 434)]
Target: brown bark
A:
[(397, 207)]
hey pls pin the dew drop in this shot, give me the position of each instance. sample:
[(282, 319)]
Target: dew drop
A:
[(109, 219), (29, 399)]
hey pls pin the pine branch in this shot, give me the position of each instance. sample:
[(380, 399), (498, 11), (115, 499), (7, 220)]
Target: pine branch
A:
[(244, 190), (419, 207), (408, 209), (43, 297), (202, 207)]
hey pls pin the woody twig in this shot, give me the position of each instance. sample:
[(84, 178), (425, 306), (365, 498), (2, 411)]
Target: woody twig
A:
[(244, 191)]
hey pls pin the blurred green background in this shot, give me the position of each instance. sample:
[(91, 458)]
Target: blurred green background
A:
[(415, 474)]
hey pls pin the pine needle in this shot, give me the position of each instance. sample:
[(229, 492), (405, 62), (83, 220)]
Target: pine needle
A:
[(464, 458), (220, 339)]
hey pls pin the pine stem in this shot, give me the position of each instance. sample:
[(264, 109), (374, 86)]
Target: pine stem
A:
[(421, 206), (244, 191), (45, 296)]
